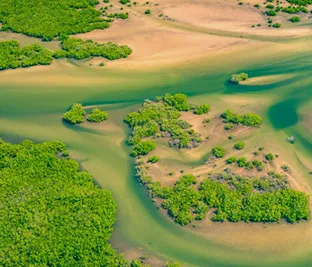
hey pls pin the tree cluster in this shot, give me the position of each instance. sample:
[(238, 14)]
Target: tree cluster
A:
[(80, 49), (12, 56), (161, 119), (97, 115), (50, 19), (76, 114), (249, 119), (51, 212), (234, 198)]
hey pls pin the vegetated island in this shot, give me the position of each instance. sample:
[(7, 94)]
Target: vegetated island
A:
[(51, 211), (246, 189), (76, 114)]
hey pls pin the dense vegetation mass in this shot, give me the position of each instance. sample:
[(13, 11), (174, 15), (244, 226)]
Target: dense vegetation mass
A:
[(51, 212), (76, 114), (234, 198), (97, 115), (161, 119), (12, 56), (249, 119), (80, 49), (49, 19)]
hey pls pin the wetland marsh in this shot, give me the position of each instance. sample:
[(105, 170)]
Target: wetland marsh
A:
[(33, 100)]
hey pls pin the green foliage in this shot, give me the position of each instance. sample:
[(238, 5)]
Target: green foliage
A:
[(276, 25), (179, 101), (12, 56), (97, 115), (50, 19), (172, 264), (75, 114), (240, 145), (249, 119), (143, 148), (147, 12), (269, 156), (162, 119), (51, 212), (295, 19), (80, 49), (271, 13), (258, 164), (237, 78), (202, 109), (231, 160), (234, 198), (123, 2), (241, 162), (181, 198), (228, 126), (218, 151), (242, 204), (153, 159)]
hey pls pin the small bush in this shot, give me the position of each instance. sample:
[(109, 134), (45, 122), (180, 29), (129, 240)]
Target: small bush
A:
[(75, 115), (240, 145), (231, 160), (143, 148), (97, 115), (202, 109), (228, 126), (218, 151), (147, 12), (295, 19), (237, 78), (153, 159), (269, 156)]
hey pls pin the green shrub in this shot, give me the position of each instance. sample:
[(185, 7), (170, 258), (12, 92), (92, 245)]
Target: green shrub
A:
[(218, 151), (228, 126), (295, 19), (202, 109), (249, 119), (269, 156), (97, 115), (276, 25), (241, 162), (80, 49), (231, 160), (75, 115), (179, 101), (258, 164), (147, 12), (143, 148), (237, 78), (271, 13), (153, 159), (240, 145)]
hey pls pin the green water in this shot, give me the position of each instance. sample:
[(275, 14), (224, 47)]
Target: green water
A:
[(34, 111)]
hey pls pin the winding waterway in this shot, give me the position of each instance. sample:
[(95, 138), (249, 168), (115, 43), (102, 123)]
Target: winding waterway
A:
[(32, 102)]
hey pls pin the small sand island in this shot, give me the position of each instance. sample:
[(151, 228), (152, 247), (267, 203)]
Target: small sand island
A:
[(195, 164)]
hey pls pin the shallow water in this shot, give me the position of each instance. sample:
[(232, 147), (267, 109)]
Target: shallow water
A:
[(32, 103)]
